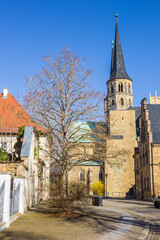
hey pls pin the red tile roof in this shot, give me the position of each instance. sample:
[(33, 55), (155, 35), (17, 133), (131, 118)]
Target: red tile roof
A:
[(13, 116)]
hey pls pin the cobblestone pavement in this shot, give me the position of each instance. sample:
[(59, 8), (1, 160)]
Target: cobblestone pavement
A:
[(142, 208)]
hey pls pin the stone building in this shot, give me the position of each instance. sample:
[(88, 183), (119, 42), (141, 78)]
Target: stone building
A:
[(120, 116), (147, 155), (87, 154), (22, 154), (121, 132)]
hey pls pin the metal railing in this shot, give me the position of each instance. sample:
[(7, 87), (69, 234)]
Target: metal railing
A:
[(2, 189)]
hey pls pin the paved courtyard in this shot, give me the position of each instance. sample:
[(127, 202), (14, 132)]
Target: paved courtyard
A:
[(117, 219)]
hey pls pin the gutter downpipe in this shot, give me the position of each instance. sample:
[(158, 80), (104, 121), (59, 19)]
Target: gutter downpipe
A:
[(152, 171)]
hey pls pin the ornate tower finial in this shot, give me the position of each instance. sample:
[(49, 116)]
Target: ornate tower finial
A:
[(112, 44), (116, 15)]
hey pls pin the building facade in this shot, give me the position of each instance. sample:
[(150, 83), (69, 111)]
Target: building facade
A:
[(147, 155), (22, 151)]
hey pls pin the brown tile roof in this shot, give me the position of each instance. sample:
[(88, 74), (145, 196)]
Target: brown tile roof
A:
[(13, 116)]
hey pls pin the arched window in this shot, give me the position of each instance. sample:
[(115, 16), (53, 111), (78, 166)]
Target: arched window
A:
[(112, 89), (82, 176), (143, 157), (129, 102), (122, 101), (146, 155), (112, 102), (120, 87), (129, 88)]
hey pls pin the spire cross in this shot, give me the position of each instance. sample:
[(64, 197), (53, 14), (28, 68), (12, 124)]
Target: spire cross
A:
[(116, 15)]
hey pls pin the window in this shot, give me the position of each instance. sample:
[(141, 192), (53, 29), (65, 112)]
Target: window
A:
[(112, 89), (120, 87), (143, 157), (129, 102), (140, 161), (129, 88), (112, 102), (3, 145), (122, 101), (146, 155), (82, 176)]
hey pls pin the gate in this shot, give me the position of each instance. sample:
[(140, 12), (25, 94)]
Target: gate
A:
[(14, 200), (2, 189)]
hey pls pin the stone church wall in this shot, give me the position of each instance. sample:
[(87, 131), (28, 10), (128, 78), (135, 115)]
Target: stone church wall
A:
[(119, 166)]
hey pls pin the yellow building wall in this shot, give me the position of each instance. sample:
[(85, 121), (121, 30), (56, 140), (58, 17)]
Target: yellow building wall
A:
[(119, 165), (156, 169)]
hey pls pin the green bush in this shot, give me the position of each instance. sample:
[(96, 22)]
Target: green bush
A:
[(98, 188), (4, 156)]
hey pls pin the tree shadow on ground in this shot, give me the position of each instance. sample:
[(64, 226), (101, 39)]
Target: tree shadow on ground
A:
[(93, 220), (18, 235), (98, 220)]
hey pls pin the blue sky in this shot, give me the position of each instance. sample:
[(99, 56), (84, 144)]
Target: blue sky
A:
[(29, 29)]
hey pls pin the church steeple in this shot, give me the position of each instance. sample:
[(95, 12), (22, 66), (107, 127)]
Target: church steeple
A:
[(119, 86), (118, 70)]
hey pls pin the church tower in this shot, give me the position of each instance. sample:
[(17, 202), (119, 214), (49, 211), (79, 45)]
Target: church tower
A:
[(119, 85), (120, 119)]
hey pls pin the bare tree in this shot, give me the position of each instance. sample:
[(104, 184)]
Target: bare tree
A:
[(58, 97)]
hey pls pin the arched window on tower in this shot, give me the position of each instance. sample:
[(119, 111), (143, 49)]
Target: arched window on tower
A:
[(82, 176), (122, 101), (112, 102), (129, 88), (112, 89), (120, 87), (130, 102)]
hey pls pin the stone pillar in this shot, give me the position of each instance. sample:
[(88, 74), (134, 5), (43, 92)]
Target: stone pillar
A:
[(5, 176), (20, 180)]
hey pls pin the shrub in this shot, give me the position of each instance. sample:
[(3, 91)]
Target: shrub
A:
[(98, 188), (4, 156), (67, 203)]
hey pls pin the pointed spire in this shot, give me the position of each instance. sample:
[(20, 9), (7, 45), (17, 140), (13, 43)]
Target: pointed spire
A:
[(118, 69)]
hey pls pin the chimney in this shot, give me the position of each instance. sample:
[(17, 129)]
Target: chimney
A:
[(5, 92)]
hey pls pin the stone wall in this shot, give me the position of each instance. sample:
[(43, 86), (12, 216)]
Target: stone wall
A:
[(119, 165), (9, 167)]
